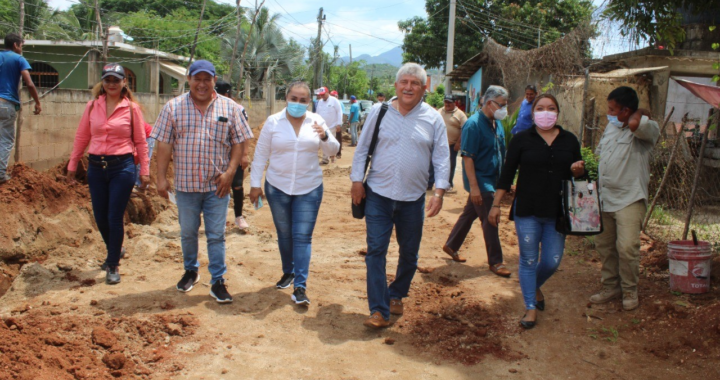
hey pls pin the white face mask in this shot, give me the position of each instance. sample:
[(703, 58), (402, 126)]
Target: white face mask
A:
[(500, 114)]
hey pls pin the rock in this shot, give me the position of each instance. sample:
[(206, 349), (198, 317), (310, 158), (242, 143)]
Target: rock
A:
[(174, 329), (389, 341), (65, 267), (115, 360), (513, 370), (54, 340), (224, 371), (103, 337), (93, 303)]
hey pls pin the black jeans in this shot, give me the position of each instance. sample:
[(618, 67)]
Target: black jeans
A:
[(490, 233), (453, 165), (110, 187), (237, 191)]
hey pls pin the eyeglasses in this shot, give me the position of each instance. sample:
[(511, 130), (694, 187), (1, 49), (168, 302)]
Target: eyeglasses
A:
[(498, 104)]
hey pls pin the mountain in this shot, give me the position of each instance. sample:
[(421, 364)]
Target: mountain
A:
[(391, 57)]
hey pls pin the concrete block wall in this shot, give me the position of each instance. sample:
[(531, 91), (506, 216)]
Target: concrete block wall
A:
[(258, 111), (47, 139)]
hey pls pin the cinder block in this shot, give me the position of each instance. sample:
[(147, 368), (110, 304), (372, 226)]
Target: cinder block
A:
[(46, 152), (29, 154)]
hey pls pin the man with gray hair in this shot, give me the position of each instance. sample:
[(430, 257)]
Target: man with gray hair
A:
[(411, 137), (483, 152)]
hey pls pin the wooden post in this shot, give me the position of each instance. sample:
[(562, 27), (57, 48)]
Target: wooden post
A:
[(22, 19), (680, 136), (583, 117), (235, 44), (698, 169), (667, 119), (197, 31), (588, 118)]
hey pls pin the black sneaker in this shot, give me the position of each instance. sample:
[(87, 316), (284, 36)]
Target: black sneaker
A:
[(285, 281), (300, 297), (220, 293), (112, 276), (122, 254), (188, 280)]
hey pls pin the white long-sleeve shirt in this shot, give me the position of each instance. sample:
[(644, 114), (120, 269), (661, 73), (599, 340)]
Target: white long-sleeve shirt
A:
[(331, 110), (293, 162)]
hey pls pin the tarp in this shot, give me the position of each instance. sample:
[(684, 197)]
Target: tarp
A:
[(710, 94), (174, 70)]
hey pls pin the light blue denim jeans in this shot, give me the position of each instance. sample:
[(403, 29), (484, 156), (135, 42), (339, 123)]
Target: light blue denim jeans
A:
[(294, 217), (536, 235), (214, 210), (151, 145), (8, 114), (354, 133)]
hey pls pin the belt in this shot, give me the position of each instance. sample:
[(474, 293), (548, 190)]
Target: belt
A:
[(105, 161)]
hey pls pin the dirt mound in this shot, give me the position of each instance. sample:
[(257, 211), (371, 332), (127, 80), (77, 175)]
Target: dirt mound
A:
[(445, 324), (44, 191), (43, 344)]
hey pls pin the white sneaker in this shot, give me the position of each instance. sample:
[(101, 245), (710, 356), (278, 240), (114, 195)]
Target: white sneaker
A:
[(241, 223)]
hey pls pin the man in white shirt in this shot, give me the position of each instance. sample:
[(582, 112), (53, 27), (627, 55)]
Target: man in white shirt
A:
[(411, 137), (330, 109)]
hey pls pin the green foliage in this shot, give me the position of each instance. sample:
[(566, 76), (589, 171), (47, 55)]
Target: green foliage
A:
[(506, 21), (655, 20), (437, 98), (508, 124), (591, 162), (350, 79)]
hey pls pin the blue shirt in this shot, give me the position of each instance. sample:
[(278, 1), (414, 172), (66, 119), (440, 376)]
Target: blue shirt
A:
[(355, 111), (524, 120), (487, 149), (11, 65), (406, 147)]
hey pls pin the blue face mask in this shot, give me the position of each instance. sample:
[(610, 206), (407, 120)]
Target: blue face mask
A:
[(614, 121), (296, 109)]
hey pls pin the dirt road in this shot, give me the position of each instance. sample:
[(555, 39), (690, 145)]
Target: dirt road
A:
[(461, 320)]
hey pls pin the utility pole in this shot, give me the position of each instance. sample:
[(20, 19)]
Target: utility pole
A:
[(538, 37), (104, 36), (197, 31), (22, 18), (235, 44), (450, 46), (317, 80), (350, 47)]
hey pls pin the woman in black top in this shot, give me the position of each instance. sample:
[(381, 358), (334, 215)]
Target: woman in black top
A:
[(546, 155)]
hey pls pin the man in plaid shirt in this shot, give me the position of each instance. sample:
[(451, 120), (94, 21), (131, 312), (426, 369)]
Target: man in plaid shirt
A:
[(207, 135)]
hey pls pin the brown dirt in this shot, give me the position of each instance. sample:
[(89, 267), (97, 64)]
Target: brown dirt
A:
[(460, 320)]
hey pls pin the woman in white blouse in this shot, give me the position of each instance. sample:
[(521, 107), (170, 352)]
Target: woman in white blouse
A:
[(290, 140)]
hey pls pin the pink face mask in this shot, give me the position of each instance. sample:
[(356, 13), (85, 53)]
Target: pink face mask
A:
[(545, 120)]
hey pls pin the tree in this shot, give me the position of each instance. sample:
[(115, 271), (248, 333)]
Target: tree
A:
[(657, 20), (509, 22)]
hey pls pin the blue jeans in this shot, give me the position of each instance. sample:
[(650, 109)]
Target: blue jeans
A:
[(214, 210), (7, 134), (381, 215), (294, 217), (354, 133), (535, 234), (151, 145), (110, 190)]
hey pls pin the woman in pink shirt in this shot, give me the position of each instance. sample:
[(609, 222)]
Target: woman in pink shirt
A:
[(113, 127)]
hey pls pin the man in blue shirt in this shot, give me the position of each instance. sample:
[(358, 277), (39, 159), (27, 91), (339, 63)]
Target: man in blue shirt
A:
[(354, 119), (12, 67), (483, 152), (525, 120)]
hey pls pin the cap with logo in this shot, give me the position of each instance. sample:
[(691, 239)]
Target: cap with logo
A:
[(113, 70), (202, 66), (334, 93), (449, 98), (222, 87), (321, 91)]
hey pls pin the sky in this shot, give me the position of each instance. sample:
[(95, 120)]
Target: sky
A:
[(370, 26)]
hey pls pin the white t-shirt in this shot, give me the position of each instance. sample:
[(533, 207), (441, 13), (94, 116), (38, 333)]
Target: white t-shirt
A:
[(330, 110)]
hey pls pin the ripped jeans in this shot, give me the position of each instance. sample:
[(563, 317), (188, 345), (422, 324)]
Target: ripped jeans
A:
[(535, 234)]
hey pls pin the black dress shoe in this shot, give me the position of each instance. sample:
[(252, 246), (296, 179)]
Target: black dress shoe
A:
[(540, 305), (527, 325)]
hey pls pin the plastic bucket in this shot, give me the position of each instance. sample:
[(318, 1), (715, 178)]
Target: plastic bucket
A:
[(690, 266)]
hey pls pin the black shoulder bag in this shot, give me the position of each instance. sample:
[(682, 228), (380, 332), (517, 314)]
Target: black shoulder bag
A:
[(358, 211)]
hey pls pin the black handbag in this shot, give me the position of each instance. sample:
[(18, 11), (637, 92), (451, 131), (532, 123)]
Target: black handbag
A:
[(581, 210), (358, 211)]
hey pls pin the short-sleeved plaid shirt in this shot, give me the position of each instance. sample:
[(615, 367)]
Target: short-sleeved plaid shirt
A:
[(201, 143)]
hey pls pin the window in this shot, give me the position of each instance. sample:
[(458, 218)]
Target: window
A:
[(43, 75), (131, 81)]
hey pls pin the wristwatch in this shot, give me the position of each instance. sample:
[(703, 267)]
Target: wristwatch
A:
[(438, 196), (327, 135)]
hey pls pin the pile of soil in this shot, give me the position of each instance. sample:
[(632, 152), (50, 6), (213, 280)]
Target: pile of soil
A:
[(47, 343), (446, 324)]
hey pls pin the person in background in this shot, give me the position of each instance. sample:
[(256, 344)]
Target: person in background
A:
[(13, 66), (623, 176), (412, 135), (334, 94), (454, 120), (204, 133), (339, 129), (354, 119), (238, 193), (546, 155), (289, 141), (151, 144), (330, 109), (483, 153), (380, 98), (113, 127), (525, 116)]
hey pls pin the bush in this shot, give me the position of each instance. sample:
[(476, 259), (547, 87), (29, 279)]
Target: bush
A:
[(591, 162), (436, 99)]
